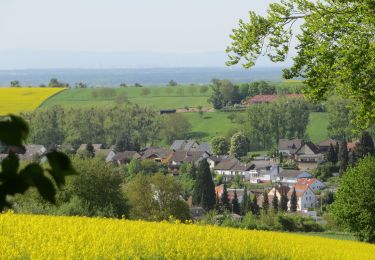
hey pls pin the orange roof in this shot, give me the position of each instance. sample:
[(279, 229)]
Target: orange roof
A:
[(306, 182)]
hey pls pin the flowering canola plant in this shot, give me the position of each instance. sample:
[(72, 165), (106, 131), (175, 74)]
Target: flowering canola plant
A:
[(53, 237), (16, 100)]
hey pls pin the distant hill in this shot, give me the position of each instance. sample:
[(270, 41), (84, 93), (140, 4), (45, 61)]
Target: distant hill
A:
[(147, 76)]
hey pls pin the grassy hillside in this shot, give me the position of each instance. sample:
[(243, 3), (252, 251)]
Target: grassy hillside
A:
[(158, 98), (317, 128), (52, 237), (16, 100)]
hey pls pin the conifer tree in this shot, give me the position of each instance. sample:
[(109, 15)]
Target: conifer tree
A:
[(193, 171), (331, 154), (266, 203), (90, 150), (224, 198), (365, 146), (235, 205), (244, 203), (254, 206), (352, 158), (284, 201), (343, 156), (293, 201), (275, 202), (204, 187)]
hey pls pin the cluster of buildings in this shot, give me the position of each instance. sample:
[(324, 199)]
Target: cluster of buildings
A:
[(260, 170)]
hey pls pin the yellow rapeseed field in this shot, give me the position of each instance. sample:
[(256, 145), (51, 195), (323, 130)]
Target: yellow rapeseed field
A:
[(16, 100), (50, 237)]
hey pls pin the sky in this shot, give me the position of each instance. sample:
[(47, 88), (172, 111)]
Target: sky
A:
[(118, 26)]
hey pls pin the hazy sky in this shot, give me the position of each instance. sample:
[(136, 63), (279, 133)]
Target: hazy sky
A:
[(122, 25)]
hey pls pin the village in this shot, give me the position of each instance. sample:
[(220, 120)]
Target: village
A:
[(288, 171)]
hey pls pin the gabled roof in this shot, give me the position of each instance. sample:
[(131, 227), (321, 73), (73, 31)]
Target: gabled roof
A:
[(185, 145), (291, 145), (300, 190), (306, 181), (309, 144), (159, 152), (233, 164), (327, 143), (187, 156), (294, 174), (126, 156)]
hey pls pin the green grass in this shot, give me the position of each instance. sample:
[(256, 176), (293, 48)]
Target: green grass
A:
[(210, 124), (203, 128), (317, 127), (157, 99)]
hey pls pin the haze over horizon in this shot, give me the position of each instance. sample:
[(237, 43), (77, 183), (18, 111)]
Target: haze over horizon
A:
[(43, 34)]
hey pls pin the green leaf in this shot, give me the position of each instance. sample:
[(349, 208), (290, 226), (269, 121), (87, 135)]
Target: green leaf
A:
[(33, 175), (9, 166), (13, 131), (60, 167)]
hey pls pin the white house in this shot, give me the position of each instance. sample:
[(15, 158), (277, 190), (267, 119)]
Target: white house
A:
[(233, 167), (306, 197)]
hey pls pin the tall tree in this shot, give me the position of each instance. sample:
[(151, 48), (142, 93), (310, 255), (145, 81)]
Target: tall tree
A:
[(224, 198), (340, 62), (235, 205), (365, 146), (293, 201), (331, 154), (275, 202), (284, 202), (266, 203), (90, 150), (239, 145), (343, 156), (220, 145), (204, 187), (354, 205), (254, 206), (244, 202)]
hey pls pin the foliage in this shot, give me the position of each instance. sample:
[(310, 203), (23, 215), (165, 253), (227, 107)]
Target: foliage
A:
[(155, 198), (239, 145), (267, 123), (293, 201), (275, 202), (245, 203), (265, 204), (284, 202), (354, 206), (254, 206), (101, 125), (204, 187), (224, 198), (13, 132), (235, 204), (173, 127), (335, 53), (365, 146), (343, 156), (219, 145), (55, 83), (332, 154), (325, 171)]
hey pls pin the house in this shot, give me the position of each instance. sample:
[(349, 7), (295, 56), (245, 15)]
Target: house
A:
[(125, 157), (325, 145), (240, 192), (313, 183), (215, 160), (265, 170), (231, 167), (177, 158), (290, 177), (289, 147), (308, 156), (306, 197), (157, 154), (190, 145), (278, 191), (110, 156)]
